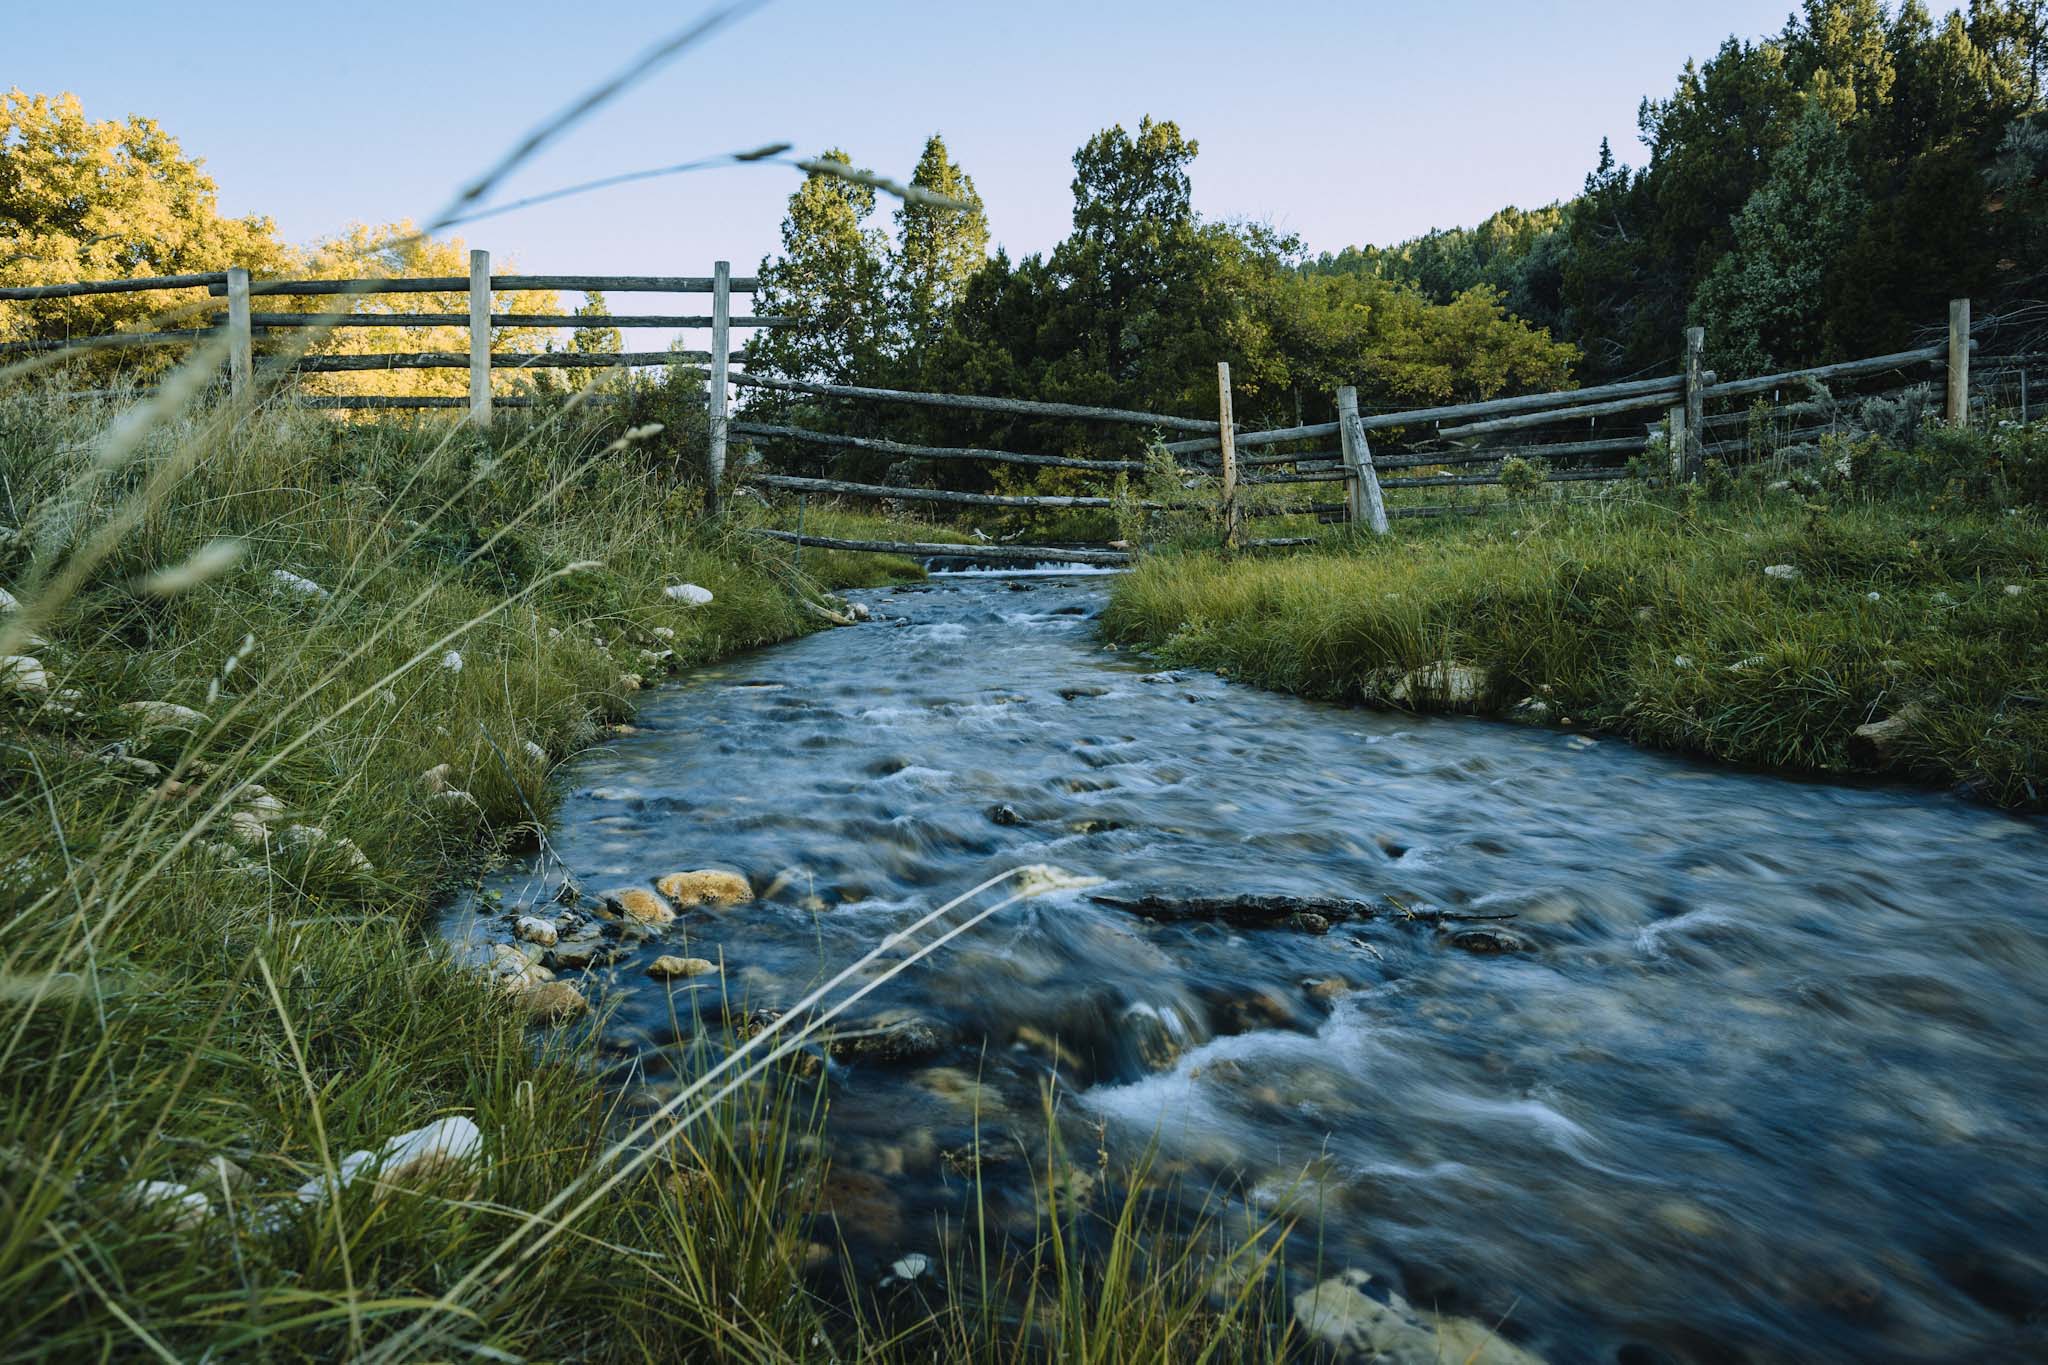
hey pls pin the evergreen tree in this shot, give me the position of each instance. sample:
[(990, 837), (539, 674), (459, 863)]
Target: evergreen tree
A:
[(830, 278), (594, 338), (938, 249), (1763, 303)]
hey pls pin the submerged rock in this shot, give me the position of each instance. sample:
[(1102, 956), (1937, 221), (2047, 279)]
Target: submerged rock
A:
[(1004, 815), (890, 1042), (668, 966), (1313, 914)]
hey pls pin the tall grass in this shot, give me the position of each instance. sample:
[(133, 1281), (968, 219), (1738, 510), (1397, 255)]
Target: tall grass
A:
[(1918, 584)]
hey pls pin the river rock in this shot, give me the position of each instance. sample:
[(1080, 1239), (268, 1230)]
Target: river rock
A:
[(551, 1002), (584, 948), (689, 594), (889, 1042), (1486, 941), (1361, 1322), (668, 966), (1442, 684), (1874, 744), (707, 886), (641, 906), (1250, 911), (1782, 572), (1004, 815), (1532, 711), (534, 929)]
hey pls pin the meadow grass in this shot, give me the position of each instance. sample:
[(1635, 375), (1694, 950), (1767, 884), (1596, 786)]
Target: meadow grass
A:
[(1918, 585), (182, 988)]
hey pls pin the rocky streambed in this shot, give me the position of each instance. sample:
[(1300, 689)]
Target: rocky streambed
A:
[(1635, 1059)]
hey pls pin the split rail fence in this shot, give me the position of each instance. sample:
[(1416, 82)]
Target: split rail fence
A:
[(242, 325), (1579, 435)]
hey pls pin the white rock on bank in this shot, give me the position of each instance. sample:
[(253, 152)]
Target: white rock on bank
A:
[(534, 929), (24, 674), (534, 751), (165, 715), (687, 593), (314, 838), (1445, 683), (290, 582), (450, 1147), (1783, 572), (8, 601), (452, 661), (187, 1207)]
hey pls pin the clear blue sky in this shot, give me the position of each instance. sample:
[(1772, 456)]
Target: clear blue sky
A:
[(1343, 122)]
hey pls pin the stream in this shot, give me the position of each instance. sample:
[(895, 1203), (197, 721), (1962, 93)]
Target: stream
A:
[(1752, 1073)]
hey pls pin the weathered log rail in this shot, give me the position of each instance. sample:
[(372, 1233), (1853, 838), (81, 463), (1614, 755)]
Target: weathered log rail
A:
[(241, 325)]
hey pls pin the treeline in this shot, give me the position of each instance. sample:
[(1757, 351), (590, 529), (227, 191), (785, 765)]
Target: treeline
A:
[(1132, 309), (85, 199), (1813, 196)]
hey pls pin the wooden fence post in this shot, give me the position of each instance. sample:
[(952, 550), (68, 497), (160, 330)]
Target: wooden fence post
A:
[(721, 364), (241, 349), (1228, 443), (1674, 433), (480, 338), (1692, 440), (1959, 362), (1362, 499)]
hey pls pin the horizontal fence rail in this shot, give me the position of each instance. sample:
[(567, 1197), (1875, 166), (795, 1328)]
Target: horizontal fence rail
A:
[(1014, 554), (593, 321), (500, 360), (880, 446), (458, 284), (1021, 407), (887, 491)]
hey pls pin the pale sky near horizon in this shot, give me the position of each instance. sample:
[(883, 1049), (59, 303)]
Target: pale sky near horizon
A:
[(1345, 123)]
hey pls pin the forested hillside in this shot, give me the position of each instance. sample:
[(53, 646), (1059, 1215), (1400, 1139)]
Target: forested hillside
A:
[(1807, 197)]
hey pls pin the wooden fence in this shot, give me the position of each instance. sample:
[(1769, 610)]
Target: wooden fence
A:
[(242, 325), (1578, 435)]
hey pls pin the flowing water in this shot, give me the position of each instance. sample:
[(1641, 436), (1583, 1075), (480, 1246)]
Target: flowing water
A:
[(1753, 1072)]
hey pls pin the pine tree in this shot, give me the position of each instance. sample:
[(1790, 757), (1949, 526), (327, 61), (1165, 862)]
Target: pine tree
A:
[(938, 249), (594, 338), (829, 279)]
